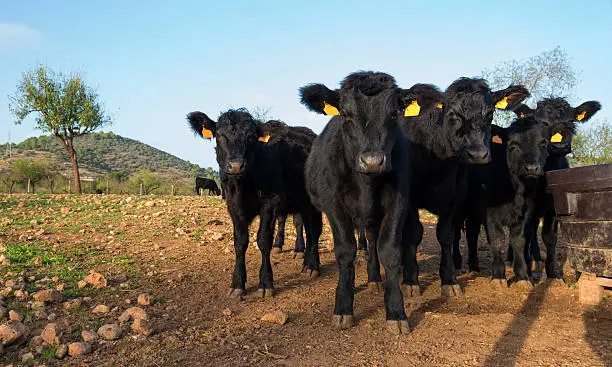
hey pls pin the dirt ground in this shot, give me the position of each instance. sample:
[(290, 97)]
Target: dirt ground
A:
[(180, 250)]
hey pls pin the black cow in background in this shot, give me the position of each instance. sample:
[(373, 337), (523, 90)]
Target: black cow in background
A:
[(262, 175), (357, 174), (203, 183), (448, 132)]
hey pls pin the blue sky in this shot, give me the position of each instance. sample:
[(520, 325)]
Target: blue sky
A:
[(152, 62)]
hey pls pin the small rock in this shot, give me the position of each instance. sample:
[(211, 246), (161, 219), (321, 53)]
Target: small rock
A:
[(82, 284), (149, 204), (48, 295), (89, 336), (36, 342), (217, 236), (100, 309), (64, 210), (96, 280), (277, 317), (27, 357), (2, 311), (51, 334), (60, 287), (38, 305), (61, 351), (145, 299), (72, 304), (4, 260), (11, 283), (12, 332), (55, 279), (142, 327), (109, 331), (79, 349), (133, 313), (15, 316), (40, 315), (227, 312), (87, 299), (6, 291), (20, 293), (52, 317)]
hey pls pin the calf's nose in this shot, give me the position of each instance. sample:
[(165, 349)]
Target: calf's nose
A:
[(372, 162), (533, 169), (479, 156), (235, 166)]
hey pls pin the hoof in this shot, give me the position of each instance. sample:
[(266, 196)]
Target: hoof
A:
[(265, 292), (499, 283), (236, 293), (523, 284), (451, 290), (557, 283), (342, 321), (376, 287), (298, 255), (312, 273), (398, 327), (277, 250), (411, 290)]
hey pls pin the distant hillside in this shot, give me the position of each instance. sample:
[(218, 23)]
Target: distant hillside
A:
[(101, 152)]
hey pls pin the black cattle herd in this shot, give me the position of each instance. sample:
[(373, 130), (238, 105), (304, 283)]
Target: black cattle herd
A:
[(386, 153)]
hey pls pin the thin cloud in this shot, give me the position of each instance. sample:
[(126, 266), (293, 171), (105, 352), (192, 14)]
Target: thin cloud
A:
[(14, 37)]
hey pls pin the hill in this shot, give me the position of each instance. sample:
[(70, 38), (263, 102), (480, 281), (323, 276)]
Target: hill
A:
[(103, 152)]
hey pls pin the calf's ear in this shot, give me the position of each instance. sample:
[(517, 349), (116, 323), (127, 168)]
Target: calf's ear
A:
[(201, 124), (586, 110), (272, 131), (523, 111), (419, 98), (318, 98), (510, 97)]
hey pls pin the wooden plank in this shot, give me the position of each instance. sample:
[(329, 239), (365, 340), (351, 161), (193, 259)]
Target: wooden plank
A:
[(586, 234)]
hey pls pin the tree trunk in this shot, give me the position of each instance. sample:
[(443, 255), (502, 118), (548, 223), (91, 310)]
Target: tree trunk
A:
[(28, 190), (67, 143)]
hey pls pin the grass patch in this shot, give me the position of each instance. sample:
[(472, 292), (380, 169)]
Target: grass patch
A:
[(25, 254), (48, 353)]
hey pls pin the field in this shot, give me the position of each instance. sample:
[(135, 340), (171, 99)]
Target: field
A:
[(179, 250)]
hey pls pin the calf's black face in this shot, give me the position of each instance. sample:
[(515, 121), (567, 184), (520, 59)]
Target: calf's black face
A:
[(237, 135), (527, 149), (469, 105), (560, 118), (368, 105)]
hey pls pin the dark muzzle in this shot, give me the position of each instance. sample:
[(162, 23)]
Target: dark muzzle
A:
[(373, 162), (235, 167)]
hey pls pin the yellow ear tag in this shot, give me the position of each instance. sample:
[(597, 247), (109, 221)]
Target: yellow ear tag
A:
[(330, 110), (206, 133), (522, 114), (502, 104), (497, 140), (413, 109), (264, 139), (581, 116), (439, 105), (556, 138)]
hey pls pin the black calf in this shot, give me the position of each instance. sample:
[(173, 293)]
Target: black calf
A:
[(357, 174), (262, 178), (202, 183), (447, 132)]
